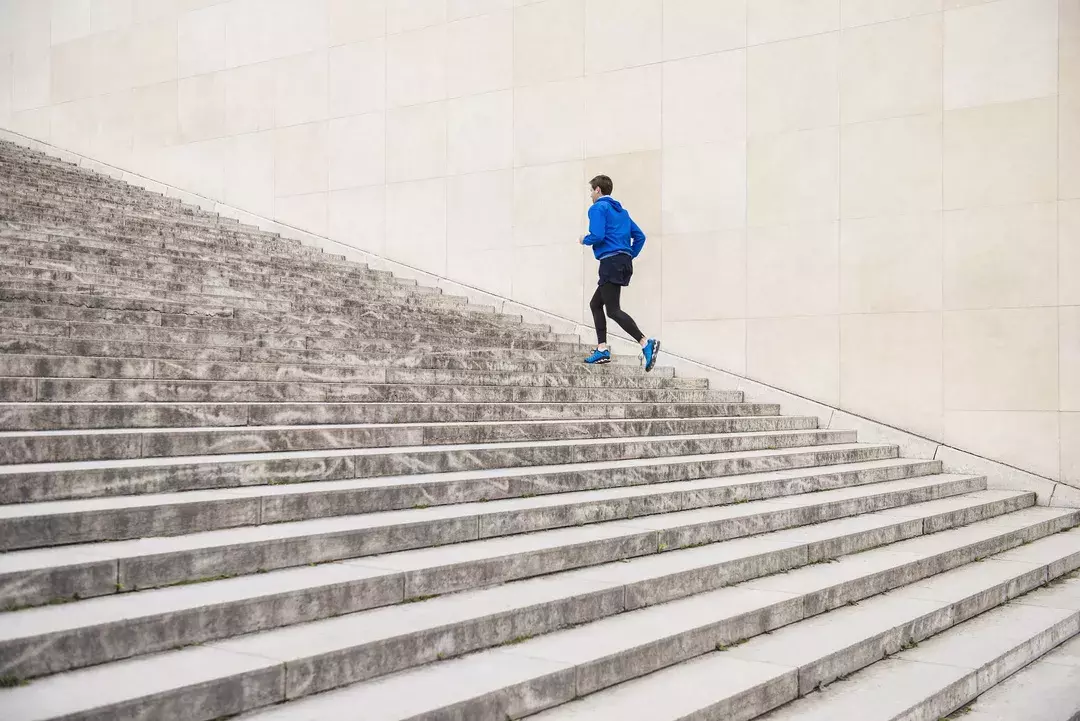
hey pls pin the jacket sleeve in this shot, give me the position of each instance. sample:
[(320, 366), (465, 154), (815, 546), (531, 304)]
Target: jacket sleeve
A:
[(597, 225), (637, 239)]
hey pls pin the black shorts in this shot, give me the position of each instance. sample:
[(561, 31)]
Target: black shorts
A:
[(616, 269)]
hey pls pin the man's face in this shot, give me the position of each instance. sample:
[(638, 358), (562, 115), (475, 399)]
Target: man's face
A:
[(594, 193)]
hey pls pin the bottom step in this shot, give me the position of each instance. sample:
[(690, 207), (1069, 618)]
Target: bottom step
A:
[(1047, 690), (949, 671), (934, 676)]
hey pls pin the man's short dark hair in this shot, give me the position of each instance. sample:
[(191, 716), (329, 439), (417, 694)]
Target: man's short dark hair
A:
[(604, 183)]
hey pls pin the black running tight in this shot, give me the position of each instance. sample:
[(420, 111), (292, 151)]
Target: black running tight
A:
[(607, 296)]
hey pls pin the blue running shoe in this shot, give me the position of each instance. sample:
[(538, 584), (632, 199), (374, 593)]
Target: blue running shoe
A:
[(599, 357), (651, 351)]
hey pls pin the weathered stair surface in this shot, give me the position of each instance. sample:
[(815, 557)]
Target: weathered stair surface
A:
[(1045, 691), (242, 477)]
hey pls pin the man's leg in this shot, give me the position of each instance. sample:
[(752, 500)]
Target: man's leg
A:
[(596, 305), (610, 294)]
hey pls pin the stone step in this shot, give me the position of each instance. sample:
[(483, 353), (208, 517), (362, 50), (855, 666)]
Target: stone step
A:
[(70, 179), (17, 181), (90, 445), (120, 245), (1047, 690), (127, 205), (51, 266), (90, 390), (514, 366), (156, 305), (37, 525), (166, 302), (31, 188), (45, 165), (341, 325), (27, 198), (169, 302), (76, 181), (402, 306), (415, 316), (99, 210), (188, 242), (235, 300), (527, 677), (28, 193), (66, 416), (97, 213), (238, 299), (529, 361), (256, 320), (49, 170), (305, 350), (173, 276), (20, 155), (940, 651), (946, 672), (511, 681), (203, 229), (50, 575), (45, 335), (216, 308), (113, 247), (98, 630), (187, 277), (349, 325), (448, 474), (23, 366), (31, 199), (365, 336), (44, 169), (509, 360), (148, 204)]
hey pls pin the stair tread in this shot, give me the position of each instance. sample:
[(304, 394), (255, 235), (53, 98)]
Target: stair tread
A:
[(83, 347), (253, 534), (338, 453), (953, 658), (95, 444), (9, 511), (1047, 690), (270, 404), (397, 381), (214, 430), (147, 370)]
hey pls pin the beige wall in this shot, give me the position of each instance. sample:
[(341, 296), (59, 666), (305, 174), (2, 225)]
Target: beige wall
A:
[(871, 203)]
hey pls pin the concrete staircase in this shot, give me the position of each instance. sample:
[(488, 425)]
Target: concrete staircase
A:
[(243, 477)]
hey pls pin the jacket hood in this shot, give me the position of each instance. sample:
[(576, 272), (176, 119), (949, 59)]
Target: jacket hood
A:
[(615, 205)]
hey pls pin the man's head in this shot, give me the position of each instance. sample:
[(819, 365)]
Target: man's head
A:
[(601, 185)]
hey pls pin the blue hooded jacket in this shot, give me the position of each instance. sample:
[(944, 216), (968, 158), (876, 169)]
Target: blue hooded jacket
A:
[(612, 230)]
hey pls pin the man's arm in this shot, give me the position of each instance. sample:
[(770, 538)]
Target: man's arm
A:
[(637, 239), (597, 225)]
